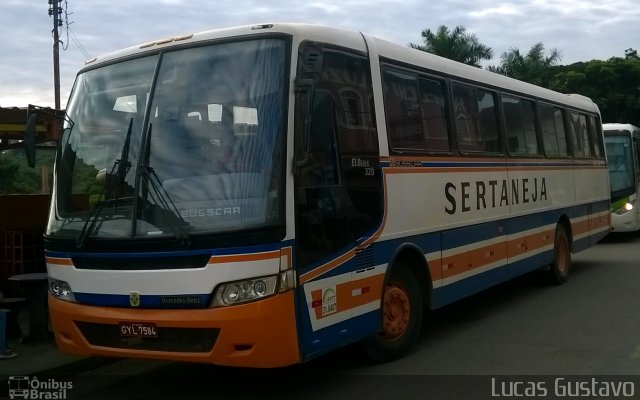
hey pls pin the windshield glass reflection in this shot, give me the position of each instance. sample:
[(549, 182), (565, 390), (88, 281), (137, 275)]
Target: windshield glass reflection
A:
[(209, 160)]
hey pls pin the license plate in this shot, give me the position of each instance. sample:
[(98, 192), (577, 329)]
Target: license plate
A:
[(138, 329)]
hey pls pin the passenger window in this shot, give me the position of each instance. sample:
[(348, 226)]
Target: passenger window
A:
[(596, 136), (402, 110), (580, 135), (553, 133), (475, 118), (519, 118), (434, 122)]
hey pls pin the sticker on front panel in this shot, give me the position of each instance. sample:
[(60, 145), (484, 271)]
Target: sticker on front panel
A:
[(329, 304)]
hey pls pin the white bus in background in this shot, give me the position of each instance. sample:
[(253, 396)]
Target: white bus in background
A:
[(623, 153)]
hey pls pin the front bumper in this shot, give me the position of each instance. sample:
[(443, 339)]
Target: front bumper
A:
[(257, 334)]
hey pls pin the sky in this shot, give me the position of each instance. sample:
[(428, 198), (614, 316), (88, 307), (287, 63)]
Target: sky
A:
[(582, 30)]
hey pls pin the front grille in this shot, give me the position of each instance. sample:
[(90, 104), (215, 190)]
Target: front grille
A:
[(197, 340), (141, 263)]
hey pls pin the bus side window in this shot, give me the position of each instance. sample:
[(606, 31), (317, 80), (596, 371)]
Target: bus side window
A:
[(434, 121), (519, 118), (476, 119), (596, 137), (579, 135), (403, 112), (553, 133)]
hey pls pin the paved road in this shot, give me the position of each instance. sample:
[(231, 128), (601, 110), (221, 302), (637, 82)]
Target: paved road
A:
[(588, 326)]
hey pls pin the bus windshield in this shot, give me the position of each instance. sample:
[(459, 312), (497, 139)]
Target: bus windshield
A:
[(620, 157), (182, 142)]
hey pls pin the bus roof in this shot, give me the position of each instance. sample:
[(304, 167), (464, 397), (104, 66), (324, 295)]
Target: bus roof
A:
[(619, 127), (355, 40)]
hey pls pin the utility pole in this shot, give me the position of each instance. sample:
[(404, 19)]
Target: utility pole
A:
[(55, 11)]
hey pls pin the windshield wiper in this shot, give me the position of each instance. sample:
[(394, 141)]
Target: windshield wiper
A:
[(159, 195), (123, 165)]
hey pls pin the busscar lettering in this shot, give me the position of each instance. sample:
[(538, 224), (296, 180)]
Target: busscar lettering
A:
[(209, 212), (500, 194)]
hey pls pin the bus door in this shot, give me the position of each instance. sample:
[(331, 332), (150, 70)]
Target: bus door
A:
[(338, 199)]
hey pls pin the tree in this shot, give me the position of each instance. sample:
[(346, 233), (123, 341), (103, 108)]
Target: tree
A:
[(614, 85), (631, 53), (457, 45), (534, 67)]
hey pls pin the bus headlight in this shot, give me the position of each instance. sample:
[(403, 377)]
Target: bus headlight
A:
[(231, 293), (628, 206), (238, 292), (61, 290)]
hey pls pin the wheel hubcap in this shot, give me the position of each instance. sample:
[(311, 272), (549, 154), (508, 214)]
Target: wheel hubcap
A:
[(396, 312)]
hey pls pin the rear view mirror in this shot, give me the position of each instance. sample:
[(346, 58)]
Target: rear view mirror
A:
[(30, 140)]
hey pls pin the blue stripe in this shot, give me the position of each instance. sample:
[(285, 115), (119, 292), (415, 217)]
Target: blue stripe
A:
[(155, 254), (472, 234), (181, 253), (466, 164), (247, 250), (146, 301), (449, 239)]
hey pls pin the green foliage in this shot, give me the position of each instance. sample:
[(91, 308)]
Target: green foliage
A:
[(533, 67), (457, 45), (613, 84), (631, 53), (17, 178)]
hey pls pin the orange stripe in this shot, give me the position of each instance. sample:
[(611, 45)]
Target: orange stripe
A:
[(580, 227), (245, 257), (488, 255), (405, 170), (435, 269), (328, 266), (435, 159), (455, 264), (370, 289), (58, 261), (507, 161), (540, 239), (288, 253)]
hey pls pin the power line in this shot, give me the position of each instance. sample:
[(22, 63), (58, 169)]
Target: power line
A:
[(77, 43), (70, 33)]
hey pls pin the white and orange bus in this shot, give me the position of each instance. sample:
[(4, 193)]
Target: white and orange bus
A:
[(261, 195), (622, 143)]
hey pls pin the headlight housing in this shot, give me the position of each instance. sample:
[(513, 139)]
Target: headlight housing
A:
[(61, 290), (238, 292), (628, 206)]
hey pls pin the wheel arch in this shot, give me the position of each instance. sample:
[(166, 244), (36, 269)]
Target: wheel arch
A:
[(410, 255)]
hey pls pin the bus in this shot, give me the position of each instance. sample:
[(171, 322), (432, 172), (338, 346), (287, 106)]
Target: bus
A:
[(262, 195), (623, 153)]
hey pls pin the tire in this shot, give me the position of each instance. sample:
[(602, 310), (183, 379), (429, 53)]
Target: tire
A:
[(401, 317), (561, 264)]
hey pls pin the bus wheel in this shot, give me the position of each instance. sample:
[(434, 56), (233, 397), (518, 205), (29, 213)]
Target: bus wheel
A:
[(401, 317), (559, 268)]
